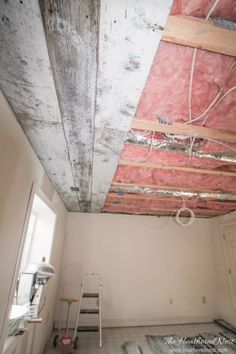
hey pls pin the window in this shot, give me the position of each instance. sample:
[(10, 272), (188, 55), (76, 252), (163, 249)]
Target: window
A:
[(37, 245), (39, 236)]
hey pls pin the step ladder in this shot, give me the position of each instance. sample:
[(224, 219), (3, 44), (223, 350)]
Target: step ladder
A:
[(96, 310)]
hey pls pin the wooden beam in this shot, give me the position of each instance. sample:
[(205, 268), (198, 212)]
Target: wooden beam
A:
[(200, 34), (158, 209), (155, 187), (145, 213), (152, 165), (27, 82), (112, 196), (157, 212), (185, 129), (71, 29)]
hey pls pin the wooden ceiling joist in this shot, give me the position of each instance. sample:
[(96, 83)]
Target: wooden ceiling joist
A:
[(184, 129), (73, 58), (141, 212), (197, 33), (160, 212), (141, 198), (158, 209), (152, 165)]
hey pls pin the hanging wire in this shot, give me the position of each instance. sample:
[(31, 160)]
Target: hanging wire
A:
[(192, 139), (182, 210), (213, 105)]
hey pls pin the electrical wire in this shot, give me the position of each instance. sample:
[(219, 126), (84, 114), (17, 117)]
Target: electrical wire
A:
[(213, 102), (220, 143), (191, 84), (184, 209), (190, 89), (190, 220), (192, 139), (210, 107), (212, 9), (232, 66), (194, 64), (206, 110), (164, 224)]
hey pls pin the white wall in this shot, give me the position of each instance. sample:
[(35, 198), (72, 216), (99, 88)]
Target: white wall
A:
[(223, 296), (19, 169), (144, 261)]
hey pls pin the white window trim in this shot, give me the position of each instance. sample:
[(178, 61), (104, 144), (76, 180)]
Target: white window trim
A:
[(35, 189)]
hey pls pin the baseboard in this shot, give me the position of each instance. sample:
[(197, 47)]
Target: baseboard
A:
[(155, 321), (111, 323)]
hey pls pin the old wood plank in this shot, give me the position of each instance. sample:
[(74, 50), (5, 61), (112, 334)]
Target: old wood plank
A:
[(185, 129), (27, 82), (200, 34), (129, 36), (71, 30), (152, 165)]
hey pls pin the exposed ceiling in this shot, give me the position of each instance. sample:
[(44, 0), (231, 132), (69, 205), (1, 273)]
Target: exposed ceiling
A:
[(118, 116)]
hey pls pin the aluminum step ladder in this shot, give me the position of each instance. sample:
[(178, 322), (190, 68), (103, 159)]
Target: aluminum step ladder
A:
[(97, 310)]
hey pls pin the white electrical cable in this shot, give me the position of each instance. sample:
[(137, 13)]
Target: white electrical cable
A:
[(232, 66), (211, 10), (191, 84), (206, 110), (220, 143), (184, 210), (213, 102)]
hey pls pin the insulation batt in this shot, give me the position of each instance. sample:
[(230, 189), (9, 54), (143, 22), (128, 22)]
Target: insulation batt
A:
[(162, 178), (166, 96), (200, 8), (166, 91), (165, 158), (163, 203)]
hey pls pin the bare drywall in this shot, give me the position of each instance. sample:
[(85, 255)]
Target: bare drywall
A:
[(19, 169), (146, 263)]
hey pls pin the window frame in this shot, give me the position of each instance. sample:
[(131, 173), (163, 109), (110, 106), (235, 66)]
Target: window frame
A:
[(34, 190)]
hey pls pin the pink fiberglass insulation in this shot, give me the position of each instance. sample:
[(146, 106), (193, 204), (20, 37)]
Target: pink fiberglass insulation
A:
[(173, 178), (199, 8), (168, 204), (171, 158), (155, 203), (142, 154), (166, 97), (166, 93)]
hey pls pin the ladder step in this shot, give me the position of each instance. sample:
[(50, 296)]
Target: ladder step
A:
[(88, 329), (90, 295), (89, 311)]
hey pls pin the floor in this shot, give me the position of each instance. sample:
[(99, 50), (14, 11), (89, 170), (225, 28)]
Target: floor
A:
[(113, 338)]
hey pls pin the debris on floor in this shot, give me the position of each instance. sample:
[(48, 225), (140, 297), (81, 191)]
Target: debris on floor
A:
[(131, 348)]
